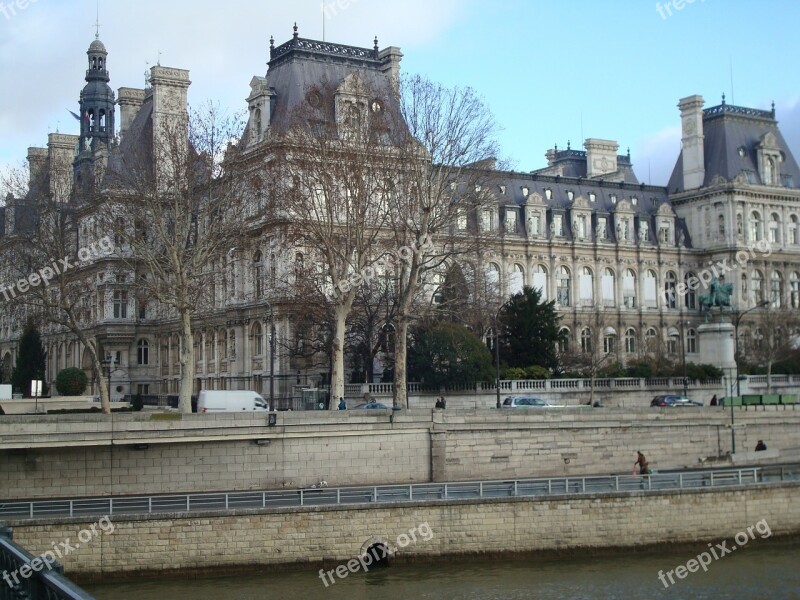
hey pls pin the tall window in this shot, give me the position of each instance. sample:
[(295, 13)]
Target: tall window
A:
[(563, 342), (776, 289), (558, 225), (794, 290), (609, 345), (774, 228), (517, 280), (739, 225), (721, 226), (493, 281), (258, 274), (691, 341), (608, 287), (586, 340), (670, 296), (793, 239), (487, 219), (629, 289), (755, 227), (758, 287), (258, 339), (563, 286), (120, 304), (586, 287), (630, 341), (651, 339), (690, 279), (142, 353), (650, 285), (511, 220)]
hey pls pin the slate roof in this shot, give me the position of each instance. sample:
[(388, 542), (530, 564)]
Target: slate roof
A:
[(726, 129), (572, 163)]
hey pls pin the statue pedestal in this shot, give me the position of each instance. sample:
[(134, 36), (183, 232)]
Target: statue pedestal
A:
[(716, 344)]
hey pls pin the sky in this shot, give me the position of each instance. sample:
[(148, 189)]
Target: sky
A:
[(551, 71)]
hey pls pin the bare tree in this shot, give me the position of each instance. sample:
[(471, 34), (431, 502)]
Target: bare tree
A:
[(594, 348), (773, 338), (178, 209), (442, 178), (51, 262), (333, 189)]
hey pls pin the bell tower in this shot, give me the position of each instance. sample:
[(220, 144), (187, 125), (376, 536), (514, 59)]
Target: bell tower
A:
[(96, 101)]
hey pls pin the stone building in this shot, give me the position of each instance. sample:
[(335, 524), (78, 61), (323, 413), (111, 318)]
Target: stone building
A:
[(583, 229)]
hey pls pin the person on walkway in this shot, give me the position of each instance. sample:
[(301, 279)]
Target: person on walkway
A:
[(641, 461), (760, 446), (714, 400), (342, 404)]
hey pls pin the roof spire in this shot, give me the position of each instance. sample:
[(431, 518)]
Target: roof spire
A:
[(295, 30), (568, 142), (723, 98), (97, 22), (773, 109), (376, 43), (271, 43)]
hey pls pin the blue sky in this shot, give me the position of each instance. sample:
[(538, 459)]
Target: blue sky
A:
[(551, 71)]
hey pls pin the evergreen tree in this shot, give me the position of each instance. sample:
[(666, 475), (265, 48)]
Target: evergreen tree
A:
[(449, 354), (529, 331), (30, 361)]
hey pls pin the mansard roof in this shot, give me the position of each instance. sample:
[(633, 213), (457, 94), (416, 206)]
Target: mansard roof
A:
[(732, 136)]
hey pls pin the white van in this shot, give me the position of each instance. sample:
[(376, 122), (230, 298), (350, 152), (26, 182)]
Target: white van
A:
[(230, 401)]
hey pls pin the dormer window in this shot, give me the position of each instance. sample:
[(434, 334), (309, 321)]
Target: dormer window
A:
[(592, 196), (525, 190), (502, 189), (634, 200), (570, 195), (613, 198), (548, 193)]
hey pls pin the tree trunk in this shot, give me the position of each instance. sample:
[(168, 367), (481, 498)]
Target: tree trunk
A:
[(337, 356), (187, 363), (102, 383), (591, 389), (769, 376), (400, 392)]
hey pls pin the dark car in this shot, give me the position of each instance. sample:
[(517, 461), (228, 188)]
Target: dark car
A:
[(673, 401), (372, 405)]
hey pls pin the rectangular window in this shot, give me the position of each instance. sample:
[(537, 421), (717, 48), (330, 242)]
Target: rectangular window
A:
[(511, 220), (120, 305), (558, 225)]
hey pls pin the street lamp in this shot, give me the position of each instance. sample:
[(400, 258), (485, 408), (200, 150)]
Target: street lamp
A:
[(738, 319), (271, 357), (497, 353), (683, 360)]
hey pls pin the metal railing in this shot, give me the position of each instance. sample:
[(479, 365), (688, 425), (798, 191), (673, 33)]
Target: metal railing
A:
[(419, 492), (28, 577)]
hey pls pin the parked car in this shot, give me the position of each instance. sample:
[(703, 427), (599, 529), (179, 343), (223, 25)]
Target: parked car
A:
[(373, 406), (672, 401), (528, 402)]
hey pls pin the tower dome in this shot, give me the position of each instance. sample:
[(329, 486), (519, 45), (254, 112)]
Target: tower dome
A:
[(97, 100)]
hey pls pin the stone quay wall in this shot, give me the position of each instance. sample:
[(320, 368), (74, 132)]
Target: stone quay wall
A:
[(135, 454), (315, 537)]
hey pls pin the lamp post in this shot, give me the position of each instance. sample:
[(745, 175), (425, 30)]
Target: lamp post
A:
[(497, 353), (271, 357), (738, 319), (683, 360), (109, 362)]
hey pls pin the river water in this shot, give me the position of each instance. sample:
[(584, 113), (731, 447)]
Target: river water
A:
[(767, 569)]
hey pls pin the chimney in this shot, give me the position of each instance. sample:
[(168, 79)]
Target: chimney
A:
[(37, 165), (694, 172), (169, 88), (61, 150), (390, 62), (601, 157), (129, 101)]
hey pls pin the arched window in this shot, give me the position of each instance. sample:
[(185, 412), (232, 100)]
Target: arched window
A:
[(563, 342), (258, 339), (650, 286), (630, 341), (608, 287), (142, 353), (299, 269), (691, 341), (540, 280), (755, 226), (758, 339), (492, 280), (586, 340), (629, 289), (774, 228), (721, 226), (258, 274), (794, 289), (517, 279), (758, 287), (739, 225), (744, 287), (651, 339), (670, 296), (586, 287), (563, 286), (257, 120), (691, 281), (769, 172), (792, 239), (776, 289)]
